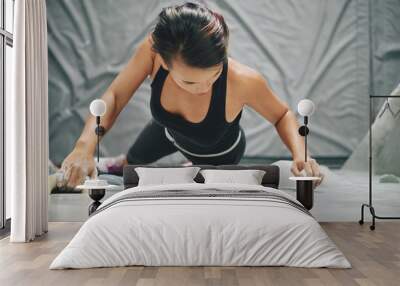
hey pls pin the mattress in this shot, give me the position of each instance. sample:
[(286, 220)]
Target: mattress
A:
[(198, 224)]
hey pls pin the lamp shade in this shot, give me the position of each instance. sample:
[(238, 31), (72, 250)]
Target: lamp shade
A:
[(98, 107), (306, 107)]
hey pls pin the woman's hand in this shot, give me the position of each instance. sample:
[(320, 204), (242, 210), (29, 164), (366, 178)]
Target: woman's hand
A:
[(311, 168), (77, 165)]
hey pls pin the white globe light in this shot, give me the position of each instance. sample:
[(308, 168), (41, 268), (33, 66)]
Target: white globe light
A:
[(306, 107), (98, 107)]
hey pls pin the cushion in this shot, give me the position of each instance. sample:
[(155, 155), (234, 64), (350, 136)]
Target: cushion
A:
[(249, 177), (162, 176)]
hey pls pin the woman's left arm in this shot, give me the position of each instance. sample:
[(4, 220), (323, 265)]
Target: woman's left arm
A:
[(262, 99)]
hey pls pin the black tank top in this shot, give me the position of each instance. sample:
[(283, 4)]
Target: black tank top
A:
[(213, 133)]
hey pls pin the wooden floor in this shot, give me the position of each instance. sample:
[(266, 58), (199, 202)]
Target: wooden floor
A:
[(374, 255)]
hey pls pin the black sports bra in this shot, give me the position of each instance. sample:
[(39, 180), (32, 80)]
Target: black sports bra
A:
[(213, 130)]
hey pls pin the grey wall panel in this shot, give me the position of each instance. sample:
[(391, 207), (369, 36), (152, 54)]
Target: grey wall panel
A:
[(385, 45), (317, 49)]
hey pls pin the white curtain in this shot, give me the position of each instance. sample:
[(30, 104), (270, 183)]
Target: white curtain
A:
[(27, 123)]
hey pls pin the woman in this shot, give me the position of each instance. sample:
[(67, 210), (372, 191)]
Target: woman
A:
[(198, 94)]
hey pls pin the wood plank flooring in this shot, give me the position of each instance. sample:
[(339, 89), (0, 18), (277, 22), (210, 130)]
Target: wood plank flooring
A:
[(375, 257)]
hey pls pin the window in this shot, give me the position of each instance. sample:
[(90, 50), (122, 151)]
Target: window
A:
[(6, 44)]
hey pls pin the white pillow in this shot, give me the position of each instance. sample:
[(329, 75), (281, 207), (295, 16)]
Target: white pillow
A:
[(162, 176), (249, 177)]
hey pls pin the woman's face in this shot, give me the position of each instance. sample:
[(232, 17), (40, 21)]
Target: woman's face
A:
[(194, 80)]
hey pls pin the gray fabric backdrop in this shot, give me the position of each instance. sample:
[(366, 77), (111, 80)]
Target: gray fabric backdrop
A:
[(317, 49)]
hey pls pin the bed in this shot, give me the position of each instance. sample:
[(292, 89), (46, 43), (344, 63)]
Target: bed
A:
[(201, 224)]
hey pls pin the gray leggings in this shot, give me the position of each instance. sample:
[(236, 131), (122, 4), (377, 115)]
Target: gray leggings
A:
[(152, 144)]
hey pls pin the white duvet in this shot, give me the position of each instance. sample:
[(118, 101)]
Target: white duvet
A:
[(227, 231)]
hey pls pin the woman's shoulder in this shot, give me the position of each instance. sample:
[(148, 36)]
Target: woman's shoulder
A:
[(241, 72), (243, 78)]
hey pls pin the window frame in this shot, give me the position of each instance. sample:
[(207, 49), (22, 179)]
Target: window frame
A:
[(6, 39)]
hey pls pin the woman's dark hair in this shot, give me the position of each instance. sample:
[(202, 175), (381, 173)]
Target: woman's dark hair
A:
[(193, 32)]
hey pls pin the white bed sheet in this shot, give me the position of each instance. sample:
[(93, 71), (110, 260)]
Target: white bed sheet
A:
[(224, 232)]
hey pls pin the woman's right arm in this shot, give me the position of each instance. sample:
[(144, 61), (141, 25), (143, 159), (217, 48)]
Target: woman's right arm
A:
[(80, 163)]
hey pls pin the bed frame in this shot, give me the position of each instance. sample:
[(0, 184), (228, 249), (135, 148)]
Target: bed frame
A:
[(304, 191), (270, 179)]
